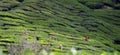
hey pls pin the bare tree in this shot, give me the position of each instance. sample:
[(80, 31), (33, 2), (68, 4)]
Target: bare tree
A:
[(21, 47)]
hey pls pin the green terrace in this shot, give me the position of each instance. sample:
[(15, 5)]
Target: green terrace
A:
[(59, 25)]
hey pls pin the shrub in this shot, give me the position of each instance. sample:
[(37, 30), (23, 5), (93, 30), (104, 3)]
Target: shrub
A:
[(94, 5), (117, 6)]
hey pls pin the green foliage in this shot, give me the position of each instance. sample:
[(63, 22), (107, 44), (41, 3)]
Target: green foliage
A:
[(68, 20), (28, 52), (94, 5), (117, 6)]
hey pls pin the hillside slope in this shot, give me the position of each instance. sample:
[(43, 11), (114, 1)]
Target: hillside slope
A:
[(68, 20)]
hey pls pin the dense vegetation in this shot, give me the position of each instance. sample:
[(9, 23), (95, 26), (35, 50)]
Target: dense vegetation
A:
[(68, 20)]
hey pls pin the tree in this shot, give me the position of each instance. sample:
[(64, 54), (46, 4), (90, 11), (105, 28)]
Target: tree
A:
[(116, 1), (20, 0)]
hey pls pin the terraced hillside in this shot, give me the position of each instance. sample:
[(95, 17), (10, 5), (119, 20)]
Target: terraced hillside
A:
[(68, 20)]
